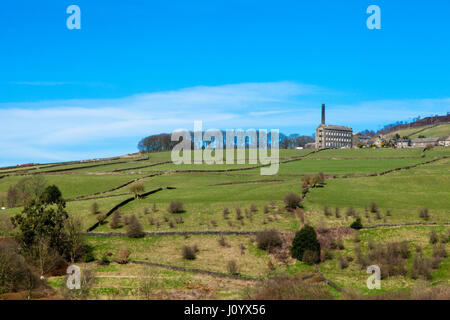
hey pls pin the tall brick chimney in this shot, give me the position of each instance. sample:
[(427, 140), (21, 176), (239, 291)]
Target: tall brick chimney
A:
[(323, 113)]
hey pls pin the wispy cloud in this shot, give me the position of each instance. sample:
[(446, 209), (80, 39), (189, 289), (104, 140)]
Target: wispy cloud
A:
[(87, 128)]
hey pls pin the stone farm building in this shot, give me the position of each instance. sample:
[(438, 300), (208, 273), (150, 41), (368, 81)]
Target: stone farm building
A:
[(424, 142), (331, 136)]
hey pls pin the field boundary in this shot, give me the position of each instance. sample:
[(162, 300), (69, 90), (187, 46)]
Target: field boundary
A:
[(195, 270), (174, 233), (121, 204), (80, 198)]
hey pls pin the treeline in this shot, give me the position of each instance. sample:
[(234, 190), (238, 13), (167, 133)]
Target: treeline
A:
[(415, 123), (162, 142)]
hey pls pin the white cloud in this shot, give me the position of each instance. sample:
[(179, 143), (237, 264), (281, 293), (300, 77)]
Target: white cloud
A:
[(77, 129)]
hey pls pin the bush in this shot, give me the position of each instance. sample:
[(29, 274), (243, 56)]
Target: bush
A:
[(433, 237), (424, 214), (232, 267), (115, 221), (122, 258), (305, 239), (350, 212), (95, 208), (266, 209), (176, 207), (337, 213), (253, 208), (326, 211), (421, 267), (134, 228), (226, 213), (15, 275), (189, 253), (268, 239), (356, 237), (356, 224), (439, 251), (373, 207), (239, 215), (292, 201), (223, 242), (137, 188)]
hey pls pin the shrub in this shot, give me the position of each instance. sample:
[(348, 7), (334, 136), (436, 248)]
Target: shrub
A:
[(388, 213), (95, 208), (266, 209), (154, 208), (337, 214), (226, 213), (171, 225), (137, 188), (15, 275), (433, 237), (326, 211), (292, 200), (268, 239), (253, 208), (115, 221), (232, 267), (373, 207), (189, 253), (223, 242), (239, 214), (424, 214), (421, 267), (356, 224), (122, 258), (134, 228), (356, 237), (176, 207), (342, 262), (305, 239), (439, 251)]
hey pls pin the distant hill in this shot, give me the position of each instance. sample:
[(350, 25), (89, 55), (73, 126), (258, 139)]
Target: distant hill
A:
[(436, 126)]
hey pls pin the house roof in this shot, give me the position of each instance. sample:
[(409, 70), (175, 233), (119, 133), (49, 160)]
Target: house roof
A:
[(424, 140), (329, 126)]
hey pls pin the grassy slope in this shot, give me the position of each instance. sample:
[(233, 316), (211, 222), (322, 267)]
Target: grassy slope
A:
[(403, 192)]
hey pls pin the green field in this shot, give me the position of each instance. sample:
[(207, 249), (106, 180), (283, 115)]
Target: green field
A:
[(353, 179)]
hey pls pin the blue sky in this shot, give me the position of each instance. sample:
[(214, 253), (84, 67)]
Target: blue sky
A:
[(141, 67)]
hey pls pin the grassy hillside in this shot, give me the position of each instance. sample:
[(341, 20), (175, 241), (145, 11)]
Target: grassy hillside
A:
[(353, 179), (431, 131)]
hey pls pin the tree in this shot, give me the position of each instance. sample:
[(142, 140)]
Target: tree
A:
[(116, 220), (51, 195), (356, 224), (39, 219), (137, 188), (292, 200), (134, 228), (94, 208), (305, 240), (75, 245)]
